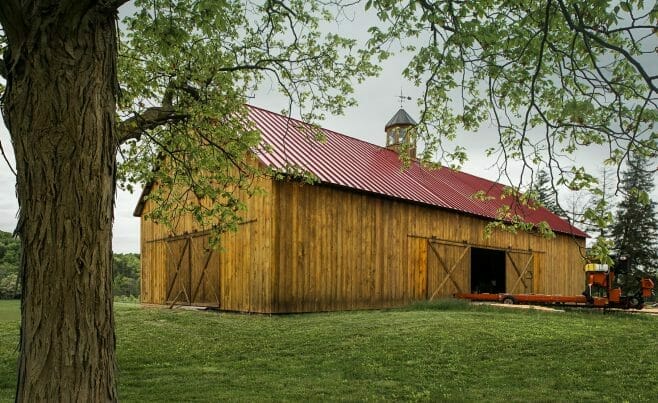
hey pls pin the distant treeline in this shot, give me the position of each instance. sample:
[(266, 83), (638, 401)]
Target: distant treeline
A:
[(125, 267), (10, 256), (126, 274)]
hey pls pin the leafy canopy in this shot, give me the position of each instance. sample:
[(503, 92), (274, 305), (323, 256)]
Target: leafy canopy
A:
[(559, 79), (554, 76), (187, 68)]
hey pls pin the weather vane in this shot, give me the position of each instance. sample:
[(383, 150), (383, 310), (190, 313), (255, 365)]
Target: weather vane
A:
[(402, 98)]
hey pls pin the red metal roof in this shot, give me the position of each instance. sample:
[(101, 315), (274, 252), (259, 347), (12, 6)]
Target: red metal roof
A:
[(348, 162)]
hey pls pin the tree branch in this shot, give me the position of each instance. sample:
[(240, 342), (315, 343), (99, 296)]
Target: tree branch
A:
[(135, 126), (12, 19), (4, 155), (112, 4), (580, 28)]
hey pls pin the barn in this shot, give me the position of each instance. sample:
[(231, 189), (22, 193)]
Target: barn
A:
[(368, 233)]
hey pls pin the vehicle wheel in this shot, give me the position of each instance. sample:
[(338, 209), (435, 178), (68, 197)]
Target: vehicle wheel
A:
[(509, 301), (635, 302)]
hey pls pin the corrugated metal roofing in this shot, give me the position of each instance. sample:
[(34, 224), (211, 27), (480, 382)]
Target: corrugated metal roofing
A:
[(348, 162)]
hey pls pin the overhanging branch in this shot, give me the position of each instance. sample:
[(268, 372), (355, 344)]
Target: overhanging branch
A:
[(136, 125), (112, 4), (4, 155), (580, 28)]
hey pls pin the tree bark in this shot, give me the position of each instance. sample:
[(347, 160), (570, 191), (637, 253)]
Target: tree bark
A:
[(60, 108)]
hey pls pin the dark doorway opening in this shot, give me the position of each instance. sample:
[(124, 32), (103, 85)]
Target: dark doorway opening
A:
[(487, 270)]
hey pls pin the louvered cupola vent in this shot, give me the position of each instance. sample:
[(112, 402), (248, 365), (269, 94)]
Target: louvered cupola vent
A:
[(400, 133)]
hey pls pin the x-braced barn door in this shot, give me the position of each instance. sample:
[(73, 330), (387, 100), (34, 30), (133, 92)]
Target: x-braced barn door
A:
[(178, 271), (448, 268), (520, 272), (205, 273), (192, 272)]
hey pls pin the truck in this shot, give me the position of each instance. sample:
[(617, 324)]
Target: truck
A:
[(600, 292)]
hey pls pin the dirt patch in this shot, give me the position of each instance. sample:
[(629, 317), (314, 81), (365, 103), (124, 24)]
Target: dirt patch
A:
[(651, 310), (648, 310)]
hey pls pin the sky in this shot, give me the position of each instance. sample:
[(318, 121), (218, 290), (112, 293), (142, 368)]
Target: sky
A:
[(378, 100)]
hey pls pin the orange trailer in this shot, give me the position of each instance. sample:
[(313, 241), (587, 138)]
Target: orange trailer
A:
[(599, 293)]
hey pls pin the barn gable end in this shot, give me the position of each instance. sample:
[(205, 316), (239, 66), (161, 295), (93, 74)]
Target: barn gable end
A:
[(179, 266)]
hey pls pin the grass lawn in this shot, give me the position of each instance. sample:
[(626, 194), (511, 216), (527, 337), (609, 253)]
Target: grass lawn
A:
[(10, 310), (444, 351), (9, 325)]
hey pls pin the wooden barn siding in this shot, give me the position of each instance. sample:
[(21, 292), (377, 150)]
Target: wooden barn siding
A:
[(153, 276), (322, 248), (239, 272), (337, 249)]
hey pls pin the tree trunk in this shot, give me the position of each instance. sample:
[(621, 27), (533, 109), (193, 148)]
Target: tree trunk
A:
[(60, 107)]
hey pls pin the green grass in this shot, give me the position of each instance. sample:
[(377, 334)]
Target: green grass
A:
[(446, 351), (10, 310), (9, 325)]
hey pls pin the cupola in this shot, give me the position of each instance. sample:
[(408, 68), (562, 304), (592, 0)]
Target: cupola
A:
[(400, 133)]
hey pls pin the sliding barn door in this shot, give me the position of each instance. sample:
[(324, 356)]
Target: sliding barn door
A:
[(192, 272), (204, 273), (178, 271), (519, 272), (448, 269)]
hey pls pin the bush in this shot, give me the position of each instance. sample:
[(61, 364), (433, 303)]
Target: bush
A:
[(10, 256), (9, 287)]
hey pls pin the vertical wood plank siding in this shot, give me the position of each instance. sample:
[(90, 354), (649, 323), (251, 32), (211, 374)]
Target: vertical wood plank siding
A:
[(237, 276), (338, 249), (321, 248)]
